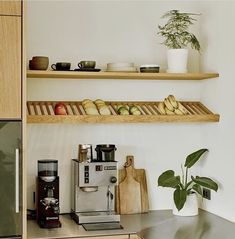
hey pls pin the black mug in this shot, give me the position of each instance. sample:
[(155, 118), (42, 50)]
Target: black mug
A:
[(61, 66)]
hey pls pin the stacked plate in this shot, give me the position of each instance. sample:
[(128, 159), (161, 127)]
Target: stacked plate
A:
[(127, 67), (150, 68)]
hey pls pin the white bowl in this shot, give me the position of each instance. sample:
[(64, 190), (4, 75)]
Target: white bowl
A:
[(149, 65)]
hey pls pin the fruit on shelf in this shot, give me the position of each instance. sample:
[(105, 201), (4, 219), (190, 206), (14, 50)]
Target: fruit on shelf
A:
[(173, 101), (102, 107), (170, 106), (60, 109), (128, 110), (134, 110), (161, 108), (89, 107), (123, 110)]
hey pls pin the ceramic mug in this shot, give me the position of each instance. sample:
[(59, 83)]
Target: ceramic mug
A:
[(61, 66), (86, 64)]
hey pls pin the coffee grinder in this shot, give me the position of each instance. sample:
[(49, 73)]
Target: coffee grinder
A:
[(47, 194)]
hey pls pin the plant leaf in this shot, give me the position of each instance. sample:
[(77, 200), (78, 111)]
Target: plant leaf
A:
[(168, 179), (194, 157), (205, 182), (180, 197), (197, 188), (188, 184)]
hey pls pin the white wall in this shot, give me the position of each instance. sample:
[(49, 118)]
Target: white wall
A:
[(108, 31), (218, 37)]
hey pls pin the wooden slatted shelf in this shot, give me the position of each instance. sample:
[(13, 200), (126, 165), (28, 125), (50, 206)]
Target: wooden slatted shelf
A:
[(119, 75), (43, 112)]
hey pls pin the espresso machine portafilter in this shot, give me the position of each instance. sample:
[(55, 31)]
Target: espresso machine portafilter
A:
[(93, 189)]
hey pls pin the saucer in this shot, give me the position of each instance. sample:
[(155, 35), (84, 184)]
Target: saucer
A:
[(86, 69)]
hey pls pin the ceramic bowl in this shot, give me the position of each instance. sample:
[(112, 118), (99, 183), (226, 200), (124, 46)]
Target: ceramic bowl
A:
[(39, 63), (150, 68)]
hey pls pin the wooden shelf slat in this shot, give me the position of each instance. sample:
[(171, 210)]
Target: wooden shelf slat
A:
[(122, 119), (149, 110), (119, 75)]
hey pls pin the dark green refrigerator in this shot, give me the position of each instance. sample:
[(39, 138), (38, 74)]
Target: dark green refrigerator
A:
[(10, 179)]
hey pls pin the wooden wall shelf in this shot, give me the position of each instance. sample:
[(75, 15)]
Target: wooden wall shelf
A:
[(43, 112), (119, 75)]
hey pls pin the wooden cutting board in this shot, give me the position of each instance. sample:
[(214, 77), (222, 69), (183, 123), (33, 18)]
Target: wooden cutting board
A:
[(131, 193)]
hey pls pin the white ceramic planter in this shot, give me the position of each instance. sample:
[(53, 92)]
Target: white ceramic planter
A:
[(177, 60), (190, 207)]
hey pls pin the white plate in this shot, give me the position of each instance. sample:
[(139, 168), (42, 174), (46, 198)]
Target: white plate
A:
[(119, 64), (122, 69), (134, 70)]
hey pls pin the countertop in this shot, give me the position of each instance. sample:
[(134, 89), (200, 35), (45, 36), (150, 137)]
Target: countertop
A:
[(160, 224)]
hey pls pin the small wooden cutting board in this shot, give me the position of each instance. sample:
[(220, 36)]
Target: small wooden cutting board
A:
[(131, 193)]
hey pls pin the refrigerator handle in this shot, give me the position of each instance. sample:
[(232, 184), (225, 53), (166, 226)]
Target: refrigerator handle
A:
[(17, 180)]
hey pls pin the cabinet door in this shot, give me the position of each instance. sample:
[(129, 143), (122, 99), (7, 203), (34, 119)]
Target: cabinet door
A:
[(10, 67), (10, 178), (12, 7)]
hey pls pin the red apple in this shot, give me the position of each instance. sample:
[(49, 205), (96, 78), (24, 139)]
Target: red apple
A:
[(60, 109)]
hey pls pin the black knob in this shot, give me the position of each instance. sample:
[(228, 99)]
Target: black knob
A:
[(113, 179)]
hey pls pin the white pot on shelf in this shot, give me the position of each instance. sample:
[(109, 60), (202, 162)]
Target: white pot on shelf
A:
[(177, 60), (190, 207)]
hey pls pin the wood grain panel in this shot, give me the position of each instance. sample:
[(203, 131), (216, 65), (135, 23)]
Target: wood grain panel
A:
[(12, 7), (10, 71), (119, 75)]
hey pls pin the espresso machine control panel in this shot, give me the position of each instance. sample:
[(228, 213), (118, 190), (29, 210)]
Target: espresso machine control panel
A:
[(97, 173)]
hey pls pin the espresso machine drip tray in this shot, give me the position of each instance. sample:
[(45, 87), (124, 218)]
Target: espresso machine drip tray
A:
[(102, 226), (96, 217)]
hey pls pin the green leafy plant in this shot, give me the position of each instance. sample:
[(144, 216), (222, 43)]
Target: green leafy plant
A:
[(183, 187), (175, 31)]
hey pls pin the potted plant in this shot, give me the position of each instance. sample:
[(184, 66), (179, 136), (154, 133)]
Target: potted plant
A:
[(177, 38), (185, 190)]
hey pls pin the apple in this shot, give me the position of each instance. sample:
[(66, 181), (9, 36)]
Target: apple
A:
[(60, 109)]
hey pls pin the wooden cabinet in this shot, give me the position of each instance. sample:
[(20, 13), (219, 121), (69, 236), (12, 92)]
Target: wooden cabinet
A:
[(112, 237), (10, 67), (134, 237), (107, 237), (12, 7)]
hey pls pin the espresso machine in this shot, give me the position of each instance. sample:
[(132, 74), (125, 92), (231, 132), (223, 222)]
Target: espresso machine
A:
[(93, 189), (47, 194)]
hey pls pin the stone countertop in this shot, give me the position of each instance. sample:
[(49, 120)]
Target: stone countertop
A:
[(155, 224)]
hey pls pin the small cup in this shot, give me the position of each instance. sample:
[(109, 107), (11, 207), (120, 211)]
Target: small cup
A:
[(39, 63), (86, 64), (61, 66)]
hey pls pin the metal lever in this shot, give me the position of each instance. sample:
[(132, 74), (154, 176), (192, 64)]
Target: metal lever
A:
[(110, 199), (17, 181)]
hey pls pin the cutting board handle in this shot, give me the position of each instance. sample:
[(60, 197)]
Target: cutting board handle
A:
[(129, 161)]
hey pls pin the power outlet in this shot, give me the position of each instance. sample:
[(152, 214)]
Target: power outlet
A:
[(206, 193)]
